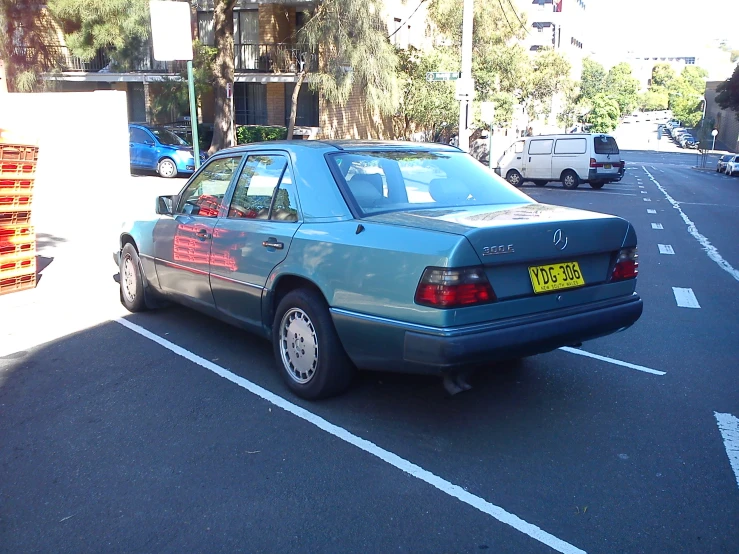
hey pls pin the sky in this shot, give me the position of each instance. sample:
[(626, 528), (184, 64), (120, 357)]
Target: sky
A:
[(670, 26)]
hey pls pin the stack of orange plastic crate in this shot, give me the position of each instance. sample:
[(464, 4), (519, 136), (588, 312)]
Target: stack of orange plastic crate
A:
[(17, 236)]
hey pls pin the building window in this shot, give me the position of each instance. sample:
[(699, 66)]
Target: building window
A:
[(246, 39), (307, 115), (205, 28), (250, 104), (690, 61)]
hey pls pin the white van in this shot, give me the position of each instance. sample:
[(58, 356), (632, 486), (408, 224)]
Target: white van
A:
[(591, 158)]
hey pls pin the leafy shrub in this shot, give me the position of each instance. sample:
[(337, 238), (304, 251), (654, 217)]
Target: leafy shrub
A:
[(259, 133)]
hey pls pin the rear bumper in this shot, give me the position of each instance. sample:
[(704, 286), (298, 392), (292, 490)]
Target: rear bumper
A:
[(419, 349), (593, 175)]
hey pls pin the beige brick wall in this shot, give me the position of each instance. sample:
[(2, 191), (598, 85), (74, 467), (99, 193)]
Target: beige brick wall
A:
[(353, 121), (276, 23), (275, 104)]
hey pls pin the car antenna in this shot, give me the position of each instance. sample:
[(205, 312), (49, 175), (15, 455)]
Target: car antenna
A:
[(360, 228)]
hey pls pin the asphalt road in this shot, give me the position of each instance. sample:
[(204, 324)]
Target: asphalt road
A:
[(110, 441)]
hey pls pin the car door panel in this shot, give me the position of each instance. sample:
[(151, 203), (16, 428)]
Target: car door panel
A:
[(183, 242), (539, 159), (254, 237)]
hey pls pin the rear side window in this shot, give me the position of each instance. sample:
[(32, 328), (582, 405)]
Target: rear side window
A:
[(605, 144), (540, 146), (570, 146)]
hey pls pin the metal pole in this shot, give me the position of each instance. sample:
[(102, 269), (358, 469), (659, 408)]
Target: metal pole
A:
[(490, 146), (465, 105), (193, 114)]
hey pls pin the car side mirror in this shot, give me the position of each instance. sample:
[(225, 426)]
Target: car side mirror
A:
[(165, 205)]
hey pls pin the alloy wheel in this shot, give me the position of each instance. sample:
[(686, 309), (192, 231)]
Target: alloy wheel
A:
[(298, 345)]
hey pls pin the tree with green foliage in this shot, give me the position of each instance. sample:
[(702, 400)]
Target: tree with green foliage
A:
[(728, 93), (622, 87), (350, 39), (548, 75), (592, 79), (604, 114), (30, 46), (656, 98), (662, 75), (427, 107), (686, 95), (121, 28), (695, 77)]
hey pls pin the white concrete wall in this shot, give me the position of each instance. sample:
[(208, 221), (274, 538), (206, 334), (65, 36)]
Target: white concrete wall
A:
[(83, 166)]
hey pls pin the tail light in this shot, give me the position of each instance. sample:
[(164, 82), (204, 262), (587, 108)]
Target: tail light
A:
[(593, 163), (451, 288), (627, 265)]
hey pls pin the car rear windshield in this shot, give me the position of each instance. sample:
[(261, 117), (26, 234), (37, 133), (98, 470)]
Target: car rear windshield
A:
[(385, 181), (605, 144)]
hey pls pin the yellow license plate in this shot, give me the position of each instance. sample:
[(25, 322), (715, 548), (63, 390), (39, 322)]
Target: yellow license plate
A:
[(606, 166), (565, 275)]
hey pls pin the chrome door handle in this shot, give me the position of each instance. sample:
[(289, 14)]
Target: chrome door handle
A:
[(273, 244), (203, 234)]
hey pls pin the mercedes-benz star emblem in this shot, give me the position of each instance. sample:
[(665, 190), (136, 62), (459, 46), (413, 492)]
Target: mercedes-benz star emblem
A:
[(560, 239)]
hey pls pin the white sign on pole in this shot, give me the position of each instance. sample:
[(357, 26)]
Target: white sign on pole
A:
[(170, 30), (487, 111), (465, 88)]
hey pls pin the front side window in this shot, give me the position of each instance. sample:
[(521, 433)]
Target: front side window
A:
[(264, 190), (204, 196), (383, 181)]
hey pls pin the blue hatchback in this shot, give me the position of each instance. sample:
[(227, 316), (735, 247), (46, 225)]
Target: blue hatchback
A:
[(160, 150)]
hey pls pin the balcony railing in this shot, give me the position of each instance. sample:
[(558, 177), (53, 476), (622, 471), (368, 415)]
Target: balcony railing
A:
[(102, 62), (272, 58)]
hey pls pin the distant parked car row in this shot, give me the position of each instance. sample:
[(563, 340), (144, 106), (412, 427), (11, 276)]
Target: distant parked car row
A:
[(680, 135), (729, 164), (654, 116)]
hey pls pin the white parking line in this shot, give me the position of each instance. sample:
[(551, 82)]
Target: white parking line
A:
[(643, 191), (611, 360), (729, 427), (685, 298), (665, 249), (651, 211), (386, 456), (710, 250), (647, 199), (657, 226)]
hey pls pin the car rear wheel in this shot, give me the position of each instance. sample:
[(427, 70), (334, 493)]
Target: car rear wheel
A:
[(131, 280), (597, 185), (167, 168), (514, 178), (570, 180), (307, 348), (540, 183)]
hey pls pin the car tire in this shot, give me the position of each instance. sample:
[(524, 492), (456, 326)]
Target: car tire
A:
[(131, 280), (540, 183), (324, 370), (597, 185), (167, 168), (570, 180), (514, 178)]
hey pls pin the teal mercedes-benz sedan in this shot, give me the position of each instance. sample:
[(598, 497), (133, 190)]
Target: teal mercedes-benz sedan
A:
[(379, 255)]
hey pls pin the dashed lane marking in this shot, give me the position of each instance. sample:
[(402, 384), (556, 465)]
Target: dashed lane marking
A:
[(728, 425), (394, 460), (710, 250), (611, 360), (665, 249), (651, 211), (647, 199), (657, 226), (685, 298)]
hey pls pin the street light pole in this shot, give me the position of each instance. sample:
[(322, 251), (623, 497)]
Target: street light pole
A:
[(465, 104)]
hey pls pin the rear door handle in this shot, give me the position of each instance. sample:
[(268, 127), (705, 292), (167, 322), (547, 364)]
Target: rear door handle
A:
[(272, 243), (203, 234)]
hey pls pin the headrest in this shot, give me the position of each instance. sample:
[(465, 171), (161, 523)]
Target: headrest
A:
[(448, 191), (364, 188)]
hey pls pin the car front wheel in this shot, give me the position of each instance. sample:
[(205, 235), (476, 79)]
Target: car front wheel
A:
[(131, 280), (307, 349), (167, 168)]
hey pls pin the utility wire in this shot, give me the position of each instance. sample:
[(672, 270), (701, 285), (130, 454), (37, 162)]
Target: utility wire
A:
[(502, 9), (519, 19), (407, 20)]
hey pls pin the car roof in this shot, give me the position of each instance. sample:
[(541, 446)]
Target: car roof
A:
[(347, 145)]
